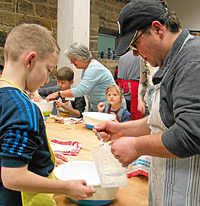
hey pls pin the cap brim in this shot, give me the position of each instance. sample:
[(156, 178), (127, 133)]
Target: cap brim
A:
[(124, 43)]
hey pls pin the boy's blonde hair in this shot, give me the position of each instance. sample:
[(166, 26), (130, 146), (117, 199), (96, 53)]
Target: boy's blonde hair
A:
[(65, 74), (30, 37), (116, 88)]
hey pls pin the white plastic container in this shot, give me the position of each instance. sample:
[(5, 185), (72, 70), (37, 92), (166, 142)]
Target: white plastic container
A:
[(86, 170), (93, 118), (45, 107), (110, 171)]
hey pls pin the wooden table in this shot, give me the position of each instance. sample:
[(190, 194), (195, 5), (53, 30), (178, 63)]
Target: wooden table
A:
[(134, 194)]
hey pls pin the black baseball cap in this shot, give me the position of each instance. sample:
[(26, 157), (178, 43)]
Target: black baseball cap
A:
[(136, 15)]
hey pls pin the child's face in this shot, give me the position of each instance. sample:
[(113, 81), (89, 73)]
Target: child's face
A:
[(113, 97), (39, 72), (64, 84)]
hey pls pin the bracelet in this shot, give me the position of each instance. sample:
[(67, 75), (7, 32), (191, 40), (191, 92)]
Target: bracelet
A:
[(59, 94)]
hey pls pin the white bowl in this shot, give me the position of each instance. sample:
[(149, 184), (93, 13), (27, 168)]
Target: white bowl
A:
[(45, 107), (93, 118), (86, 170)]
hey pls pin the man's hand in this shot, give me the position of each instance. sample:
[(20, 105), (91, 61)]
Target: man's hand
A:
[(124, 150), (109, 130)]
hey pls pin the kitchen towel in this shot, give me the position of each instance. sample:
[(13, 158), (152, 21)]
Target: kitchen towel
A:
[(66, 147), (140, 166)]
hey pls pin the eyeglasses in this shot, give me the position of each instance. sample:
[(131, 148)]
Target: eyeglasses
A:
[(133, 45), (72, 59)]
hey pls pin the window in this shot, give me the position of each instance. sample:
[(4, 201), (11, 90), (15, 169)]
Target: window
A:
[(106, 46), (106, 41)]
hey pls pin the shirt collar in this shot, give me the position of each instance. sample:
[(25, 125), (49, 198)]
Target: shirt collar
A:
[(170, 56)]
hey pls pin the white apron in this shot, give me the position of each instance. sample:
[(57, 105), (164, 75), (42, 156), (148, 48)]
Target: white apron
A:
[(62, 111), (172, 182)]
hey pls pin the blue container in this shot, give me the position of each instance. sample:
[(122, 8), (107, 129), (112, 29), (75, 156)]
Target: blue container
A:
[(91, 202)]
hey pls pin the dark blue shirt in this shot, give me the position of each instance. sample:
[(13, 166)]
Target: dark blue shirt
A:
[(23, 139)]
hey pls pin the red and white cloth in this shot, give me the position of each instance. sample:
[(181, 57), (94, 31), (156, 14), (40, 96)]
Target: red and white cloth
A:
[(140, 166), (65, 146)]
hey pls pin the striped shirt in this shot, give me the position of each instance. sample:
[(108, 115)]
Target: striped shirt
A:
[(23, 139)]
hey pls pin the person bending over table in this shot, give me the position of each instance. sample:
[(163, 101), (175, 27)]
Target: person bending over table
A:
[(170, 134), (27, 161), (95, 78), (65, 78)]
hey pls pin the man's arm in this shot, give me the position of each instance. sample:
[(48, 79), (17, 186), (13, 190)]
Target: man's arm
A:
[(112, 130), (127, 149)]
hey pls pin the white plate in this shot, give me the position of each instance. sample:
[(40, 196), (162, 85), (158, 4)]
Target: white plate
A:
[(78, 170)]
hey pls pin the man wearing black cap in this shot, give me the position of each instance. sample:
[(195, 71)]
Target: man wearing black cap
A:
[(171, 132)]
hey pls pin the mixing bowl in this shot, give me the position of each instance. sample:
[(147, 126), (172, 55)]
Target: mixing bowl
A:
[(86, 170), (45, 107), (93, 118)]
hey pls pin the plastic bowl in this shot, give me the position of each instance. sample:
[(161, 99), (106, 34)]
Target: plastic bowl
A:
[(86, 170), (45, 107), (93, 118)]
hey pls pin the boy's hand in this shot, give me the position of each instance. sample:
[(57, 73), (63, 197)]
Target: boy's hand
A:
[(36, 96), (78, 189), (101, 107), (58, 103), (52, 96), (60, 158)]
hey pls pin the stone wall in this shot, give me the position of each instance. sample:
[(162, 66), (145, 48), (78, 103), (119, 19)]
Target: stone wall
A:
[(15, 12), (104, 15)]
